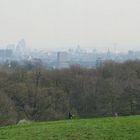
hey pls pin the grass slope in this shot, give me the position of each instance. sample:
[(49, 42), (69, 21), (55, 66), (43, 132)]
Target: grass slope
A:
[(122, 128)]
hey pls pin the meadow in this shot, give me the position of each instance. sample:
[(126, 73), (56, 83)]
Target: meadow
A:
[(109, 128)]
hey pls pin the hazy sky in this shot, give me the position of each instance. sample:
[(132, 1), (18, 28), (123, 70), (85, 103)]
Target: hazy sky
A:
[(66, 23)]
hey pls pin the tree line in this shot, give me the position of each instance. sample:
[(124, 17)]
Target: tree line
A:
[(39, 94)]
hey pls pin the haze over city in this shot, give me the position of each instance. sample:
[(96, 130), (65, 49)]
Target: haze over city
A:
[(70, 69), (53, 24)]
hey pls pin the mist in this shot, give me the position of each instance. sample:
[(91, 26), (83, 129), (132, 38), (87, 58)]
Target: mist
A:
[(53, 24)]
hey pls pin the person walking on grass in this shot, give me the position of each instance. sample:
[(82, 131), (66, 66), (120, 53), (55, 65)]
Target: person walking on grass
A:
[(70, 115)]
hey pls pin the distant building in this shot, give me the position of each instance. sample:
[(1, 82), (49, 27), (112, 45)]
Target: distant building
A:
[(99, 62), (20, 50), (2, 53), (21, 47), (6, 53), (78, 49), (131, 55), (108, 55), (63, 60), (11, 47)]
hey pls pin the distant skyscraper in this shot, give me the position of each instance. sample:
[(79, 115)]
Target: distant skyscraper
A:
[(10, 47), (131, 54), (21, 45), (78, 49), (5, 54), (108, 55), (99, 62), (63, 60), (21, 48)]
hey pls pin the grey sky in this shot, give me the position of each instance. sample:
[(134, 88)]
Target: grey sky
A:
[(66, 23)]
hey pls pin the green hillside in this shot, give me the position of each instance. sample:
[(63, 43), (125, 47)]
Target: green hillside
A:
[(121, 128)]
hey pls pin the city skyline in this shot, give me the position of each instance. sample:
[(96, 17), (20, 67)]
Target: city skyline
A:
[(64, 24), (111, 47)]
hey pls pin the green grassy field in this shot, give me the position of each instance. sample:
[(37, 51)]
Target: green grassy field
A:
[(121, 128)]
